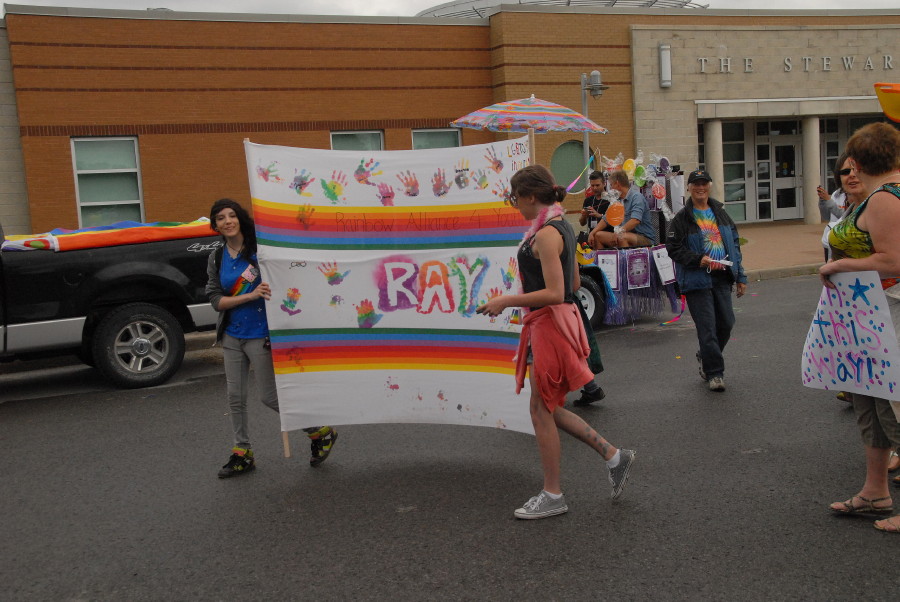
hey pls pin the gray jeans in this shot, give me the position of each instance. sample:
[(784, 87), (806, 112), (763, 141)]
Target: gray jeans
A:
[(239, 355)]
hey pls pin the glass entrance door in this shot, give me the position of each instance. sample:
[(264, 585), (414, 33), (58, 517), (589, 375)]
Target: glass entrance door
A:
[(786, 180)]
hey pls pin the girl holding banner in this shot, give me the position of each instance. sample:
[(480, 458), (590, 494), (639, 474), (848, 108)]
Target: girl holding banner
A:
[(866, 239), (237, 292), (553, 346)]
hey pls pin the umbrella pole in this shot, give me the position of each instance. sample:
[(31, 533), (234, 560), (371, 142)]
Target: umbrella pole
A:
[(531, 146)]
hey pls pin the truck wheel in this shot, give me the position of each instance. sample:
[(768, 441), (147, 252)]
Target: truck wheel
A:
[(138, 345), (592, 299)]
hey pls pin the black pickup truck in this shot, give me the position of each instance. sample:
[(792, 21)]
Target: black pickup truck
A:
[(122, 309)]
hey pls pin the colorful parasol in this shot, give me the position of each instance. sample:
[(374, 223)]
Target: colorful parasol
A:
[(889, 97), (528, 113), (531, 115)]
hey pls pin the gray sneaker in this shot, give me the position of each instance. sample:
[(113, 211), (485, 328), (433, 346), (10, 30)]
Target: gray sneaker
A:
[(542, 506), (717, 383), (619, 474)]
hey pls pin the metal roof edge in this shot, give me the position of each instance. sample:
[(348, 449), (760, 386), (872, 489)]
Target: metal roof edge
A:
[(691, 12), (171, 15)]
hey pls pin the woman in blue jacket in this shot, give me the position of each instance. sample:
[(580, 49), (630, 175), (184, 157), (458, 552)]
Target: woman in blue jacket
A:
[(703, 243)]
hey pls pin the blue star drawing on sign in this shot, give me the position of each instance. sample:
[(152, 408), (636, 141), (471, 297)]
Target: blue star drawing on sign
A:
[(859, 290)]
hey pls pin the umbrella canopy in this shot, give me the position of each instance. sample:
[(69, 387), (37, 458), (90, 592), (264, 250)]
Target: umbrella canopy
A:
[(527, 114)]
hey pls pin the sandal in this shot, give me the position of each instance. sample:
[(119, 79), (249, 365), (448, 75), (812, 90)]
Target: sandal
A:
[(868, 506), (889, 525), (893, 462)]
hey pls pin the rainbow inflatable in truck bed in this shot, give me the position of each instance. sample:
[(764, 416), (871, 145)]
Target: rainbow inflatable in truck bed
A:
[(120, 233), (889, 97)]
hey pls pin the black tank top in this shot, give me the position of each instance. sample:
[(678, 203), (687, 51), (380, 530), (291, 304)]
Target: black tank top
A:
[(530, 266)]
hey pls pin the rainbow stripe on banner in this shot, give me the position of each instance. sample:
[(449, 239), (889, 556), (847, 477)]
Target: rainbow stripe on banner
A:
[(338, 349), (441, 226)]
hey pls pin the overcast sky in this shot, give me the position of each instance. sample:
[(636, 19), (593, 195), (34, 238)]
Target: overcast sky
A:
[(401, 7)]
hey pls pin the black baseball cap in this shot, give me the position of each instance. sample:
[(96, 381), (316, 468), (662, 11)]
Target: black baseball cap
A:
[(697, 175)]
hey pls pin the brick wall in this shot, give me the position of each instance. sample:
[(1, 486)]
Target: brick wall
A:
[(13, 200), (193, 90)]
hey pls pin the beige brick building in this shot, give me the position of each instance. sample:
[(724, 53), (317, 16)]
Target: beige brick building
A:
[(141, 114)]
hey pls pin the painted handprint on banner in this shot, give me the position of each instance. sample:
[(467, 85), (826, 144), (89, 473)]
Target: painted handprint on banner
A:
[(494, 292), (481, 179), (334, 188), (386, 194), (410, 183), (510, 274), (366, 170), (289, 303), (494, 161), (439, 183), (336, 300), (304, 215), (366, 316), (331, 273), (501, 189), (268, 173), (301, 181), (462, 174)]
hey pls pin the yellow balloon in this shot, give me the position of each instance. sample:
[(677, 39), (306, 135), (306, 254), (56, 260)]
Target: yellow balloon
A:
[(628, 167)]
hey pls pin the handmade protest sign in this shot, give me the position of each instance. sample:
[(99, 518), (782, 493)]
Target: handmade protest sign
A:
[(377, 262), (851, 345)]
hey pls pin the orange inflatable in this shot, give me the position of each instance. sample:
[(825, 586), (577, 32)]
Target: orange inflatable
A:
[(615, 214), (889, 97)]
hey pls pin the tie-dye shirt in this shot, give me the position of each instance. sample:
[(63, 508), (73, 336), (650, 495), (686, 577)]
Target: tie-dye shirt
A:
[(713, 245)]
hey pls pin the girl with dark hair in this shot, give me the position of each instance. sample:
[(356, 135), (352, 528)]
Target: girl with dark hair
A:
[(237, 292), (553, 346), (866, 239)]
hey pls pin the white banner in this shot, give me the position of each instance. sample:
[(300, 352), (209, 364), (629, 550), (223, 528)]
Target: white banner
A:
[(377, 262), (851, 345)]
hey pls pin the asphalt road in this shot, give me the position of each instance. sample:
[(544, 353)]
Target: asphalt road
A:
[(113, 495)]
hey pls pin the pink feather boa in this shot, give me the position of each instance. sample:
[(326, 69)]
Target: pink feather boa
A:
[(546, 214)]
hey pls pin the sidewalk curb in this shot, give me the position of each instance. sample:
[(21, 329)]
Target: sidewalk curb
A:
[(783, 272)]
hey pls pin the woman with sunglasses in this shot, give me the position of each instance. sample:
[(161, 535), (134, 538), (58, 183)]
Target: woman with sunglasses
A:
[(848, 192), (866, 239), (553, 346)]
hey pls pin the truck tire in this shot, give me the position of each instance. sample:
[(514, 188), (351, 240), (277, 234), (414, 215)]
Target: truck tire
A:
[(592, 299), (138, 345)]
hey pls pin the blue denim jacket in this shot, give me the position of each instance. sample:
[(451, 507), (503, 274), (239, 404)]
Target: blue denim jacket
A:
[(684, 244)]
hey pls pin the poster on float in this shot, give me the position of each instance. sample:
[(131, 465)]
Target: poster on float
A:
[(377, 261)]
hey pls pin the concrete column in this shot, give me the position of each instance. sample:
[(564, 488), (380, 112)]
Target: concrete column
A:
[(712, 144), (811, 166)]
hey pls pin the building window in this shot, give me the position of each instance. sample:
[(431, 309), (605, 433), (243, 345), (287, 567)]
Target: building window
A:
[(734, 168), (107, 180), (360, 141), (567, 163), (422, 139)]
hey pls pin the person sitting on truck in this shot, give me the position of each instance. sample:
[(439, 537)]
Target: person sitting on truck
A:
[(236, 291), (595, 205), (637, 231)]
